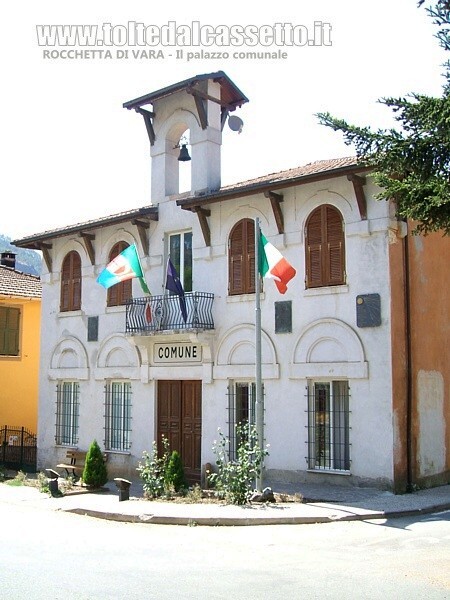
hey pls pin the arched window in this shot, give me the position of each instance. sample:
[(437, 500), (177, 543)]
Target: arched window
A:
[(241, 258), (121, 292), (71, 282), (325, 248)]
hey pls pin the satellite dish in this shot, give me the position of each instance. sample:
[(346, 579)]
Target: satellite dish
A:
[(235, 123)]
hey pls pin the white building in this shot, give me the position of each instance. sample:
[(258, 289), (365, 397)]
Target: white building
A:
[(125, 374)]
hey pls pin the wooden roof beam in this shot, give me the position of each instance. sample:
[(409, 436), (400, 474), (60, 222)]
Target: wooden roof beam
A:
[(148, 116), (87, 239), (202, 213), (201, 109), (142, 227), (275, 202), (45, 248), (358, 187), (223, 117)]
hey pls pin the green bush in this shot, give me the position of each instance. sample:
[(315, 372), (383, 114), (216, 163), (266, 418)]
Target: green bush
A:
[(153, 469), (235, 480), (95, 473), (174, 474)]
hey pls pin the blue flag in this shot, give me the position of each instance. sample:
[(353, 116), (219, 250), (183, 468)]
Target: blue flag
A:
[(173, 284)]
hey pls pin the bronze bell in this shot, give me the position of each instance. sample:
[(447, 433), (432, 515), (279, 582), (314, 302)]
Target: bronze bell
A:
[(184, 154)]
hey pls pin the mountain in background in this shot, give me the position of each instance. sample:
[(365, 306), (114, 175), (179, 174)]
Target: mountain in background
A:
[(27, 261)]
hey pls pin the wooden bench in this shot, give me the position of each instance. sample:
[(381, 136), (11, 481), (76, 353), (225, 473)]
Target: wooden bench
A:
[(75, 463)]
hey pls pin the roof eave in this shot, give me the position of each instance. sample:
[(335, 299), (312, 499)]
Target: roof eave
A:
[(182, 85), (32, 241), (218, 196)]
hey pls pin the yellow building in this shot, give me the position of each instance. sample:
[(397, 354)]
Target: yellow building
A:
[(20, 322)]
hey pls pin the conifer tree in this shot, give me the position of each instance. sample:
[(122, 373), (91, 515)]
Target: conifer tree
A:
[(95, 473), (174, 474), (411, 162)]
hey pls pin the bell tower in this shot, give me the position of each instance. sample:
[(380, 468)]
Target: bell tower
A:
[(201, 105)]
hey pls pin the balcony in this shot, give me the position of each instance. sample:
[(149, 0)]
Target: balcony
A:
[(155, 314)]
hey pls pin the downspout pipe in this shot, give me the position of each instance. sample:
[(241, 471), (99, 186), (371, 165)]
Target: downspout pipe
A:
[(409, 379)]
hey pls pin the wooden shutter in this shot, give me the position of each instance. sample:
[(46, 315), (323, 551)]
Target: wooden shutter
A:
[(65, 284), (325, 249), (314, 245), (335, 247), (250, 263), (236, 260), (9, 331), (241, 258), (121, 292), (76, 281), (71, 282)]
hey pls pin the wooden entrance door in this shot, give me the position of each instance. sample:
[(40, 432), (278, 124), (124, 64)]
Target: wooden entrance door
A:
[(180, 421)]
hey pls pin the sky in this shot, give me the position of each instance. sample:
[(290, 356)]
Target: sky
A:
[(70, 152)]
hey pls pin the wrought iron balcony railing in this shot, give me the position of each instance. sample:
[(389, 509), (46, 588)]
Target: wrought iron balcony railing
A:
[(154, 314)]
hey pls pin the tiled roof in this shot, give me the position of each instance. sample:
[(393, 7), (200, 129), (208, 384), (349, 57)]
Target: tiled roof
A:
[(321, 169), (127, 215), (16, 284), (230, 95), (313, 168)]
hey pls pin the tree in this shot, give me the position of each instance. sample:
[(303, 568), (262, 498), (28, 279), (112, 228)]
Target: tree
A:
[(411, 163), (174, 475), (95, 473)]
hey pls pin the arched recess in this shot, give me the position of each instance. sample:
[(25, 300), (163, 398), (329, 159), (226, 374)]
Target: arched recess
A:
[(303, 208), (229, 219), (72, 245), (173, 128), (118, 359), (119, 235), (236, 355), (328, 348), (69, 360)]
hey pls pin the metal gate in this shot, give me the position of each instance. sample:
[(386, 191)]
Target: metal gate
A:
[(18, 449)]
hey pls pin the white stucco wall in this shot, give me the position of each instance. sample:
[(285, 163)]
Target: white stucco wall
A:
[(324, 326)]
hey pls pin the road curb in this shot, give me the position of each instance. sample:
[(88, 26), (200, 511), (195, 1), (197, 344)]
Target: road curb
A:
[(245, 521)]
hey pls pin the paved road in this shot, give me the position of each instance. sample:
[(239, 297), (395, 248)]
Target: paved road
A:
[(45, 554)]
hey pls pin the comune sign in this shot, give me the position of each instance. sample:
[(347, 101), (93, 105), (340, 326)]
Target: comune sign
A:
[(177, 352)]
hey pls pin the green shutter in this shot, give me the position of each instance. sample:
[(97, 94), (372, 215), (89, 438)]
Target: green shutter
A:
[(9, 331)]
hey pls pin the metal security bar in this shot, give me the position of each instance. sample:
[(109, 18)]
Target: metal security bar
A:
[(118, 416), (328, 426), (241, 409), (162, 313), (67, 413)]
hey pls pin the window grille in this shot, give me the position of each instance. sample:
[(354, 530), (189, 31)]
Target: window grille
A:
[(328, 426), (241, 409), (118, 416), (67, 412)]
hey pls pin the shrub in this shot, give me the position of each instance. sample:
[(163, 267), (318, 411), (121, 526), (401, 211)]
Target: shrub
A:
[(42, 483), (174, 473), (235, 479), (95, 473), (152, 470)]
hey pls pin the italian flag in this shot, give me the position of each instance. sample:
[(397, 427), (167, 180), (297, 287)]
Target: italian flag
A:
[(273, 265), (125, 266)]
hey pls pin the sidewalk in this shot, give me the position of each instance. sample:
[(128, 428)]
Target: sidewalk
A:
[(322, 504)]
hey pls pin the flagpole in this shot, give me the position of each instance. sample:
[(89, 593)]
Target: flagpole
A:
[(259, 408)]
